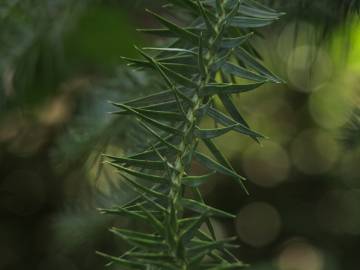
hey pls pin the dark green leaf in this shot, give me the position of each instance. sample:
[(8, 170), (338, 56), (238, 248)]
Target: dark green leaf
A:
[(202, 66), (201, 208), (123, 262), (231, 43), (163, 106), (145, 176), (249, 22), (159, 115), (151, 154), (179, 78), (159, 137), (141, 163), (189, 232), (153, 122), (199, 197), (235, 114), (139, 240), (174, 50), (213, 133), (124, 213), (212, 245), (205, 15), (189, 4), (217, 153), (163, 32), (141, 188), (226, 121), (195, 181), (221, 61), (220, 88), (179, 31), (242, 73), (153, 221), (259, 13), (213, 165), (151, 237), (229, 266), (163, 96), (250, 61), (258, 5)]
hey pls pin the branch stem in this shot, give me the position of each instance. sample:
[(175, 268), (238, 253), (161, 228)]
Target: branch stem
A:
[(186, 146)]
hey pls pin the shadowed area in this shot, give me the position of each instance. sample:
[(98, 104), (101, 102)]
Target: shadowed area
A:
[(60, 65)]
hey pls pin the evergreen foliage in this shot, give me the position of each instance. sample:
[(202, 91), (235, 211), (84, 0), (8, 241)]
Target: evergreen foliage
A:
[(325, 15), (351, 131), (210, 58)]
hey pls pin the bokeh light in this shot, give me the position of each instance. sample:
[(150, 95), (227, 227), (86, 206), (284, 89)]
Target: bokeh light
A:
[(300, 255), (266, 166), (306, 70), (258, 224), (329, 108), (274, 117), (293, 35), (314, 151), (338, 212)]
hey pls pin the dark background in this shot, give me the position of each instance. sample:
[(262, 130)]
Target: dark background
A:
[(60, 63)]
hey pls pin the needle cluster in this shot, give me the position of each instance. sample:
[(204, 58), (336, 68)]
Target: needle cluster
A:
[(209, 58)]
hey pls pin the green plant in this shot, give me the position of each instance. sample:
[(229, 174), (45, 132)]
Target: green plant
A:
[(351, 131), (326, 14), (211, 57)]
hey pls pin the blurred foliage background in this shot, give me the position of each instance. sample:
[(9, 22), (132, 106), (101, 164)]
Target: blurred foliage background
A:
[(60, 63)]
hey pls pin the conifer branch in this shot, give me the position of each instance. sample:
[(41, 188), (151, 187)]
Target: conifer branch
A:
[(216, 41)]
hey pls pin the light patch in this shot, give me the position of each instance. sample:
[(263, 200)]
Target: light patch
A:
[(300, 255), (314, 151), (258, 224), (266, 166)]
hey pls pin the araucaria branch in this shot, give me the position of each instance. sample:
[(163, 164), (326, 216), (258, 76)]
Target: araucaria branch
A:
[(210, 58)]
